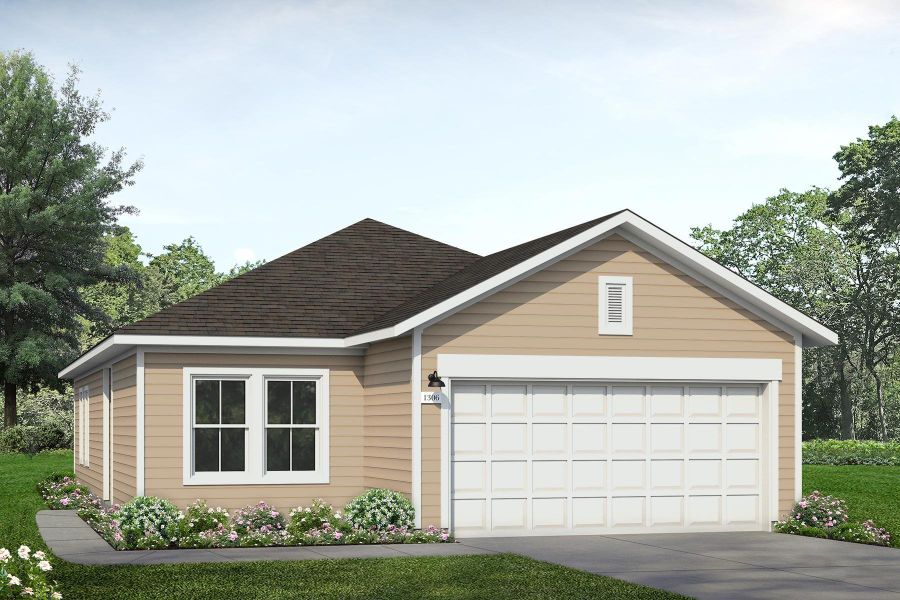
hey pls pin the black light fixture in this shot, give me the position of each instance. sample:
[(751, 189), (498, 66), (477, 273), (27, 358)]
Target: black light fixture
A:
[(434, 380)]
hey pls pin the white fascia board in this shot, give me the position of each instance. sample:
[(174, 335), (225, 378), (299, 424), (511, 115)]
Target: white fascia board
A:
[(619, 368), (116, 343), (673, 249)]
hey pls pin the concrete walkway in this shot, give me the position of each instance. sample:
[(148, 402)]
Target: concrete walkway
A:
[(728, 566), (736, 566), (73, 540)]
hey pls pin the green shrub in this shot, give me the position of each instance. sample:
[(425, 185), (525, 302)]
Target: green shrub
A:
[(31, 439), (851, 452), (148, 522), (379, 509), (797, 528)]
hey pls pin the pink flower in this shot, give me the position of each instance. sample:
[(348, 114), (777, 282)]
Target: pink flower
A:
[(338, 535), (64, 501)]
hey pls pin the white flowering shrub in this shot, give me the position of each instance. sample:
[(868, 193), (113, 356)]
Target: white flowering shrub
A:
[(377, 509), (24, 574), (317, 515), (148, 522)]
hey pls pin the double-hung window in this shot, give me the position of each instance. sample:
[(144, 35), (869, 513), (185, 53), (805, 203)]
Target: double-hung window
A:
[(220, 425), (255, 426)]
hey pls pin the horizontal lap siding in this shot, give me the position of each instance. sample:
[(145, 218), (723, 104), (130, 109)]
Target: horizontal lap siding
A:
[(388, 420), (164, 436), (124, 429), (555, 311), (93, 474)]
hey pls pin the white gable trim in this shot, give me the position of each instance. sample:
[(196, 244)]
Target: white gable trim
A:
[(637, 229)]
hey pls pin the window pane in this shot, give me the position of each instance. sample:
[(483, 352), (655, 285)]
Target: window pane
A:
[(206, 396), (206, 450), (278, 449), (232, 449), (304, 449), (305, 402), (233, 402), (279, 399)]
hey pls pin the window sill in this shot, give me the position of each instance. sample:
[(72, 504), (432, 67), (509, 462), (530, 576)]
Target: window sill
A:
[(235, 479)]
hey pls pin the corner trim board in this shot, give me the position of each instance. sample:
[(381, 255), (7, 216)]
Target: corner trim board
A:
[(139, 425), (416, 385)]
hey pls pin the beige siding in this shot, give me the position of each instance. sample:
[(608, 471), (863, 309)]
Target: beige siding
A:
[(164, 431), (92, 475), (388, 421), (124, 429), (555, 311)]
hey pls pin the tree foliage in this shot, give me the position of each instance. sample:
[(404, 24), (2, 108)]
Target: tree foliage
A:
[(55, 212)]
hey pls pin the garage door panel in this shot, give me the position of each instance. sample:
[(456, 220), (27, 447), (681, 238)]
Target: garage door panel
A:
[(588, 476), (469, 403), (549, 478), (628, 401), (666, 401), (628, 438), (704, 475), (589, 512), (628, 476), (666, 475), (550, 440), (509, 513), (509, 402), (741, 509), (588, 402), (628, 511), (589, 439), (666, 511), (470, 440), (549, 513), (704, 510), (509, 440), (667, 439), (470, 478), (704, 402), (550, 402), (594, 457)]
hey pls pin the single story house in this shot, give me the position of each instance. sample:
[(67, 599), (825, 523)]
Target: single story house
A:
[(607, 377)]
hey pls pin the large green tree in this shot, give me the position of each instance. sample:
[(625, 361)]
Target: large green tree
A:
[(55, 211), (870, 192)]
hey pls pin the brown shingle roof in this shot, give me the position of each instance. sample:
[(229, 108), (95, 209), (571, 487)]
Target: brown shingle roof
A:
[(365, 277), (329, 288)]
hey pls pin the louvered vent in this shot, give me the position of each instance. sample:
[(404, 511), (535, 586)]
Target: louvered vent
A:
[(615, 303)]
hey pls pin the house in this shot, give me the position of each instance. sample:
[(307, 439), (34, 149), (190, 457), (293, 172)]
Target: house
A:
[(604, 377)]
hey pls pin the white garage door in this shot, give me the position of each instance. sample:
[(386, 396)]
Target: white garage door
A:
[(551, 458)]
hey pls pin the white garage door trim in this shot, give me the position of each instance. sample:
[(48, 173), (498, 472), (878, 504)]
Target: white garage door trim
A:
[(767, 465)]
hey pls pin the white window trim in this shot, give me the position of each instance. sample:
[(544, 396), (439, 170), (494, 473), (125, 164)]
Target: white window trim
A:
[(605, 327), (255, 473), (84, 426)]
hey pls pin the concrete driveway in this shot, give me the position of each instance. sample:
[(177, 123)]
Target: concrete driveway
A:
[(723, 565)]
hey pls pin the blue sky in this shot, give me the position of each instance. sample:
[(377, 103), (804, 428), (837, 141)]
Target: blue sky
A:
[(266, 125)]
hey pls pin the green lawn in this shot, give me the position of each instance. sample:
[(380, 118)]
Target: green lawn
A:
[(496, 577), (871, 492)]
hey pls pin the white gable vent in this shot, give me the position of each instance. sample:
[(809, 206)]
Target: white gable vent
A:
[(615, 305)]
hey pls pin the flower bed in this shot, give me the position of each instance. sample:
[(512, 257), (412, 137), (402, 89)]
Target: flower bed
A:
[(821, 516), (851, 452), (375, 517)]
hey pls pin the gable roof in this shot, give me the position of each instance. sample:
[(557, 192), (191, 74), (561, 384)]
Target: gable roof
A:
[(329, 288), (371, 281)]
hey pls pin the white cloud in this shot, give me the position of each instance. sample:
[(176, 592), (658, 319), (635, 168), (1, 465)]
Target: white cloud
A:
[(243, 255)]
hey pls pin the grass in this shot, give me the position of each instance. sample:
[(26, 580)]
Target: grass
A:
[(500, 577), (871, 492)]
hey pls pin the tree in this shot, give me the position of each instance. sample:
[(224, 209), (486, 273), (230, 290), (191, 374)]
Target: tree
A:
[(870, 170), (55, 187), (180, 272)]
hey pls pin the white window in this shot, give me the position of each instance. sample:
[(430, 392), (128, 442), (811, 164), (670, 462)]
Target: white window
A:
[(84, 424), (616, 300), (255, 426)]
